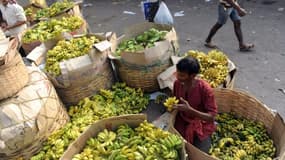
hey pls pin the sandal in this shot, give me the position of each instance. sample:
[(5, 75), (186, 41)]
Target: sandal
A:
[(210, 45), (246, 48)]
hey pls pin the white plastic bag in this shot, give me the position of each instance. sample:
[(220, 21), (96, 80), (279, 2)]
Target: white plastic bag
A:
[(163, 15)]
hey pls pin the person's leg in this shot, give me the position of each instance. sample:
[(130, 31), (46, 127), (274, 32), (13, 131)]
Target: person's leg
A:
[(238, 32), (203, 145), (222, 19), (212, 32), (180, 125)]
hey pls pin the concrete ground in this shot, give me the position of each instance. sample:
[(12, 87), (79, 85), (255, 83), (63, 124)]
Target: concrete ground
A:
[(261, 72)]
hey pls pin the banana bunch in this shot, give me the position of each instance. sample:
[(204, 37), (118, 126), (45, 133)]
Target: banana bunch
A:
[(107, 94), (89, 110), (67, 49), (137, 146), (106, 137), (54, 9), (240, 154), (238, 138), (142, 41), (214, 66), (170, 102), (46, 30), (29, 12)]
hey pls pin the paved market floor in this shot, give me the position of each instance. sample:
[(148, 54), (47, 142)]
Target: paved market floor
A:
[(261, 72)]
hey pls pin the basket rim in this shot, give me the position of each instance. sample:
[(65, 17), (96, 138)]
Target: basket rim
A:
[(247, 94)]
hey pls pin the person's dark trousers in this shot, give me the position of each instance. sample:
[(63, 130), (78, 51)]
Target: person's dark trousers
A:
[(203, 145)]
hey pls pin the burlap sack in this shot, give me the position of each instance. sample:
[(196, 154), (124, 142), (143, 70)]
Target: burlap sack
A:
[(29, 117)]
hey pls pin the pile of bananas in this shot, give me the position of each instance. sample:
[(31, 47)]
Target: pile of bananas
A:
[(139, 43), (170, 102), (46, 30), (142, 143), (237, 138), (118, 101), (214, 66), (28, 11), (65, 50), (54, 9)]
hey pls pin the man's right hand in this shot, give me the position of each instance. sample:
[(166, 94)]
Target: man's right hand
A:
[(241, 12)]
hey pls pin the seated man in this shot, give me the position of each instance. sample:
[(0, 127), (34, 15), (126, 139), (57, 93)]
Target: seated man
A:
[(197, 108)]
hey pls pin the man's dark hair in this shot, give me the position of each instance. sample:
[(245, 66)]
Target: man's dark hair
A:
[(188, 65)]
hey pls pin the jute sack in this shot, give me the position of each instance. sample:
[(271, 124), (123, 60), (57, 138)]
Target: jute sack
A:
[(133, 120), (13, 73), (29, 117), (245, 105)]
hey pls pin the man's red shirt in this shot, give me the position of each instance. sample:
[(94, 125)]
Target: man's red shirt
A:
[(200, 97)]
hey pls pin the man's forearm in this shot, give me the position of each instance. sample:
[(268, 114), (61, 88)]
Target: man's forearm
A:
[(234, 4), (19, 23), (204, 116)]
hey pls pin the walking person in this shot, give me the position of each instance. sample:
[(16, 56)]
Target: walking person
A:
[(229, 8)]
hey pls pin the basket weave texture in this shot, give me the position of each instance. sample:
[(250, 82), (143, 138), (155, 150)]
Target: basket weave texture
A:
[(245, 105), (13, 73), (101, 79), (144, 77)]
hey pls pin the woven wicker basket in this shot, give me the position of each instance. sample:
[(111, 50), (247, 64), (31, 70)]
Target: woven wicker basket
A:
[(103, 79), (13, 73), (144, 77), (245, 105), (28, 47)]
